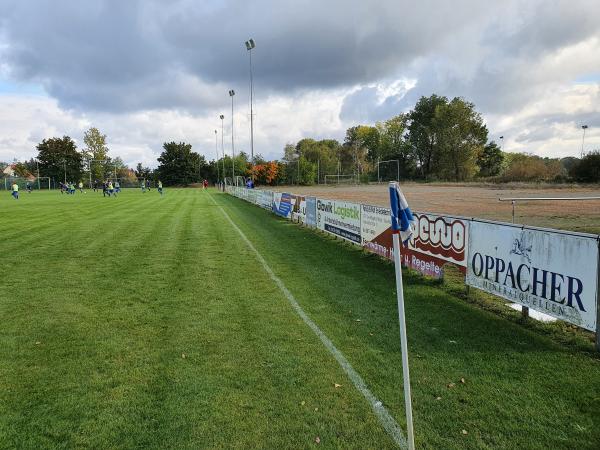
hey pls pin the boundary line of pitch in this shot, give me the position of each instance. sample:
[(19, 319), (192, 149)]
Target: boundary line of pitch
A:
[(385, 418)]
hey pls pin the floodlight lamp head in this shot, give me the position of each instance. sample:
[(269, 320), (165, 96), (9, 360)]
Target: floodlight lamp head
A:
[(584, 127), (222, 116), (231, 93), (250, 44)]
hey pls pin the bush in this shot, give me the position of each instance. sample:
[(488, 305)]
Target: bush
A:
[(588, 169)]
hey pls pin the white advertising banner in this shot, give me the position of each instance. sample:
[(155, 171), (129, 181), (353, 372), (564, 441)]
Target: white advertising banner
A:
[(553, 273), (339, 218), (265, 199)]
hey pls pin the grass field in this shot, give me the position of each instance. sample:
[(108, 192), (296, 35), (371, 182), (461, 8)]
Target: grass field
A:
[(148, 322)]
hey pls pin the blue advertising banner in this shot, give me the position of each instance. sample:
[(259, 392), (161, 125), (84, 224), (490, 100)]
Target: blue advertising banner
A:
[(282, 204)]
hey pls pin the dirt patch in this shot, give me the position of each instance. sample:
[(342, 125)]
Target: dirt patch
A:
[(480, 200)]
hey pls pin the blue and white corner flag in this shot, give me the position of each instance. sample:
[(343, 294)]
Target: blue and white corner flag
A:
[(402, 218), (402, 228)]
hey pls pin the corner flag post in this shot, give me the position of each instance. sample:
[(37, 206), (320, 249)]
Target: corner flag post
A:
[(402, 226)]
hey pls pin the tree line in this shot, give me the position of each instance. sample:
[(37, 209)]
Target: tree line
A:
[(439, 139)]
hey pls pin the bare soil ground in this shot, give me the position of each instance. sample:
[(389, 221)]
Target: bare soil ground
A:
[(480, 200)]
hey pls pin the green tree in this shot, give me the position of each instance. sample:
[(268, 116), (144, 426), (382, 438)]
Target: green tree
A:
[(178, 164), (59, 159), (96, 150), (461, 137), (393, 145), (588, 169), (422, 132), (490, 160), (142, 172)]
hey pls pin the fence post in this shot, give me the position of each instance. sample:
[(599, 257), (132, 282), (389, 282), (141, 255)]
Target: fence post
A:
[(598, 300), (524, 309)]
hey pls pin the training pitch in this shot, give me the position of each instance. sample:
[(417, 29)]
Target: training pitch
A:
[(480, 200), (196, 320)]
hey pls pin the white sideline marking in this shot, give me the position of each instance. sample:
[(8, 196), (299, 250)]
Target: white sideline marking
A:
[(385, 418)]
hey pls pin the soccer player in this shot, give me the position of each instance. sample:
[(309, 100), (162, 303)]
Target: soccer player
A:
[(117, 187), (143, 186), (111, 189), (148, 185), (28, 187), (95, 185), (160, 190), (105, 189), (15, 190), (80, 186)]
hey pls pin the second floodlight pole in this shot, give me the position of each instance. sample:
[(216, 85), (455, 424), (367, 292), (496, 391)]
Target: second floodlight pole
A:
[(231, 94)]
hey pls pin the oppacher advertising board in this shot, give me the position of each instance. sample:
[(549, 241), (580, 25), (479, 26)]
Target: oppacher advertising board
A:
[(552, 272), (339, 218), (437, 240)]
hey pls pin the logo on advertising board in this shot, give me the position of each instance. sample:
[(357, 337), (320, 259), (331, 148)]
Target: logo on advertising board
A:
[(441, 236), (554, 273), (282, 204), (339, 218), (437, 240)]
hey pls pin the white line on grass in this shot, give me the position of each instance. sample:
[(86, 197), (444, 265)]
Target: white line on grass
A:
[(385, 418)]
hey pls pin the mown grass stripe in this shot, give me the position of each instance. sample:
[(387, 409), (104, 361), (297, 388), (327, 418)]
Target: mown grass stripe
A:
[(385, 418)]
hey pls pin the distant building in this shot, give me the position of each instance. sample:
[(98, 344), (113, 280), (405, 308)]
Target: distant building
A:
[(9, 171)]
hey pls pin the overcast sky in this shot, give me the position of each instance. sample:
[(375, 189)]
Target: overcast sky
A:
[(145, 72)]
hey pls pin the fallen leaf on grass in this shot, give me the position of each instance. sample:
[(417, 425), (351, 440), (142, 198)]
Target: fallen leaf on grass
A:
[(462, 380), (316, 409), (464, 432), (370, 334), (452, 342), (37, 343), (438, 398), (302, 402), (183, 355), (357, 320), (318, 440), (450, 385), (335, 385)]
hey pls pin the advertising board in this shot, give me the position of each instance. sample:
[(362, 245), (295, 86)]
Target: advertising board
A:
[(340, 218), (265, 199), (437, 240), (552, 272), (282, 204)]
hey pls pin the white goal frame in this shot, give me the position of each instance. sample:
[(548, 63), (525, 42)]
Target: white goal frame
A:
[(347, 179)]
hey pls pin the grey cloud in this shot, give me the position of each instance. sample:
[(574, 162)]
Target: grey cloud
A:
[(115, 56)]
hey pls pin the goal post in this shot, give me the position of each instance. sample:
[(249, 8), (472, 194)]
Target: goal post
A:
[(389, 161), (340, 179)]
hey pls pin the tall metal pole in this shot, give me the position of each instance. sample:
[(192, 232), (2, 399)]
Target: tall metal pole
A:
[(250, 44), (231, 94), (251, 111), (223, 145), (584, 127), (37, 163), (217, 152)]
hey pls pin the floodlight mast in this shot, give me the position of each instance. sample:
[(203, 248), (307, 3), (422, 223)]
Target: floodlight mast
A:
[(583, 127), (249, 46), (217, 161), (231, 94), (222, 146)]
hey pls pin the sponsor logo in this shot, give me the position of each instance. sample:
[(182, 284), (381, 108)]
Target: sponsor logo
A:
[(513, 279), (440, 237), (520, 248)]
